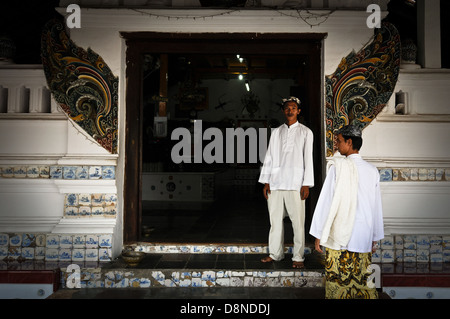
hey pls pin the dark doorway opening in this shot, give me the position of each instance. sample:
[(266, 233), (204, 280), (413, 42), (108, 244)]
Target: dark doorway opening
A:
[(191, 81)]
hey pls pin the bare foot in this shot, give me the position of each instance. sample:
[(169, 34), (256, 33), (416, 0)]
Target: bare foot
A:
[(267, 259), (298, 264)]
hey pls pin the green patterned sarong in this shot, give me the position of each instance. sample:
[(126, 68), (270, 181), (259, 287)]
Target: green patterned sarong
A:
[(346, 275)]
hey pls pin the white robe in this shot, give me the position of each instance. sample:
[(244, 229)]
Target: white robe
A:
[(288, 163), (368, 217)]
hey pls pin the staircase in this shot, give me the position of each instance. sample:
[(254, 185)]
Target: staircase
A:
[(200, 266)]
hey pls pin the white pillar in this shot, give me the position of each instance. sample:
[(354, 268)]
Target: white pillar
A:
[(429, 33)]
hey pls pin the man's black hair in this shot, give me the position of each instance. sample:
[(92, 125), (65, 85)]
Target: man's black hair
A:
[(356, 141)]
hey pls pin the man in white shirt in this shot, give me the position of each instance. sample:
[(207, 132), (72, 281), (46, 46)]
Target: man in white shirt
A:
[(287, 174), (348, 219)]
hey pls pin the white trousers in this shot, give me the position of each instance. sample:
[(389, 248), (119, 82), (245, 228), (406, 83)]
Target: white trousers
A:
[(278, 202)]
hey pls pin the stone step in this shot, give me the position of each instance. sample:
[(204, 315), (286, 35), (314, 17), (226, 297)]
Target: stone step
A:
[(201, 270)]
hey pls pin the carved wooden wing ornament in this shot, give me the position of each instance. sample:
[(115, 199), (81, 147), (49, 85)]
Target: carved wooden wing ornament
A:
[(82, 84), (362, 84)]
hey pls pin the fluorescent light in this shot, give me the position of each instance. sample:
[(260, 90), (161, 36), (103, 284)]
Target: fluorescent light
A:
[(247, 85)]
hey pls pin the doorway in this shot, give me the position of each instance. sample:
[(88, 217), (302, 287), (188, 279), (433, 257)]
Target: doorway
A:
[(192, 81)]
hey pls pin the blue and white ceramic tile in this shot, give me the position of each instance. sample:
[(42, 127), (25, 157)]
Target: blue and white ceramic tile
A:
[(65, 254), (8, 172), (52, 241), (409, 255), (44, 172), (71, 200), (387, 242), (78, 254), (423, 242), (20, 171), (405, 173), (110, 211), (51, 254), (28, 240), (33, 171), (91, 241), (110, 199), (105, 241), (39, 253), (385, 174), (436, 240), (84, 199), (91, 254), (108, 172), (97, 200), (387, 256), (15, 240), (14, 252), (423, 255), (56, 172), (414, 174), (95, 172), (4, 240), (79, 241), (65, 241), (104, 254), (97, 211), (69, 172), (40, 240), (82, 172), (84, 211), (423, 174), (71, 211)]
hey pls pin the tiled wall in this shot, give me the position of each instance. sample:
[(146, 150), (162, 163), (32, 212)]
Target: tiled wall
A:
[(413, 249), (414, 174), (90, 205), (58, 172), (21, 247)]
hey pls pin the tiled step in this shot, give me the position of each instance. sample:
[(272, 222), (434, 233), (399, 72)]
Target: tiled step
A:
[(219, 267)]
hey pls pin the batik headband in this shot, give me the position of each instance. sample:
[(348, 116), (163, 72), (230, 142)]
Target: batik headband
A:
[(291, 99)]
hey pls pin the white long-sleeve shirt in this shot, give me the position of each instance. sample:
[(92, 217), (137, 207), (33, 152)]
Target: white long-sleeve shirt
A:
[(288, 163), (368, 222)]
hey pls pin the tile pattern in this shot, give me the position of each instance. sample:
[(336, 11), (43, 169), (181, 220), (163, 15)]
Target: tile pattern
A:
[(414, 174), (22, 247), (201, 270), (413, 249), (59, 172), (90, 205)]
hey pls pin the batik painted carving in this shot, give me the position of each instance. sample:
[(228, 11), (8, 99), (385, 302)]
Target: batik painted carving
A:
[(363, 83), (82, 84)]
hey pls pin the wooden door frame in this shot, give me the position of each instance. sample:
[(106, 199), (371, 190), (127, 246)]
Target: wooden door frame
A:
[(139, 43)]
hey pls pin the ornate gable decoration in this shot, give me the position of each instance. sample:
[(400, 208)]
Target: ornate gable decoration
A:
[(362, 84), (82, 84)]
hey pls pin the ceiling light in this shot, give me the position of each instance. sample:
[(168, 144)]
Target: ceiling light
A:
[(247, 85)]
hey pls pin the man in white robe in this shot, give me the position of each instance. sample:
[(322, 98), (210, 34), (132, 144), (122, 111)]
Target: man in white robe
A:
[(348, 215), (287, 174)]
